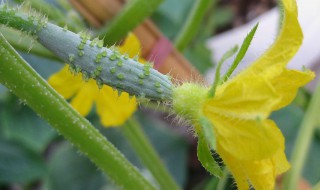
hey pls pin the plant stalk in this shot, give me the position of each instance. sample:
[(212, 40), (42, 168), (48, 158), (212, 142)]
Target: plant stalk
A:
[(130, 16), (191, 26), (149, 157), (26, 43)]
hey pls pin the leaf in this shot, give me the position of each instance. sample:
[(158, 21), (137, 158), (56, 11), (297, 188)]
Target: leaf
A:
[(20, 124), (205, 157), (207, 132), (170, 16), (216, 82), (243, 50), (206, 142), (68, 170), (18, 164)]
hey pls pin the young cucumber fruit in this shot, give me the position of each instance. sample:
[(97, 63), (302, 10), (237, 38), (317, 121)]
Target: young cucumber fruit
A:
[(105, 65)]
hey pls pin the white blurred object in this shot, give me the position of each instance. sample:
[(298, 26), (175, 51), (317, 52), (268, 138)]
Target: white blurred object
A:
[(308, 55)]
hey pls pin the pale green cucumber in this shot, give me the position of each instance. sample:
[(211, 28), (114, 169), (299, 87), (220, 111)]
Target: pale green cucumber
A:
[(105, 65)]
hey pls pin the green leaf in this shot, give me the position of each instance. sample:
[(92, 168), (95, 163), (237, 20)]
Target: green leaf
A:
[(205, 157), (18, 164), (206, 142), (207, 131), (216, 82), (243, 50), (170, 16), (20, 124), (68, 170)]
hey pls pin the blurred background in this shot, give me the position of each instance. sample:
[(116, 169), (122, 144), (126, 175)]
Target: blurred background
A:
[(33, 156)]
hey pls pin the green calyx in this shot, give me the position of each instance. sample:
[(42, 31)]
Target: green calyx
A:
[(188, 100), (105, 65)]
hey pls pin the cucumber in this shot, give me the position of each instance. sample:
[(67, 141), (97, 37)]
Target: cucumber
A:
[(105, 65)]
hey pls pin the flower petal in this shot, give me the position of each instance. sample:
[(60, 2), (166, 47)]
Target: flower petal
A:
[(114, 110), (280, 162), (260, 173), (65, 83), (249, 98), (84, 99), (284, 48), (247, 139), (235, 167), (131, 46), (287, 84)]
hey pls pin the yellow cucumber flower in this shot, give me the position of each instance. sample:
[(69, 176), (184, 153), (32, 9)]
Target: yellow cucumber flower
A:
[(250, 144), (113, 109)]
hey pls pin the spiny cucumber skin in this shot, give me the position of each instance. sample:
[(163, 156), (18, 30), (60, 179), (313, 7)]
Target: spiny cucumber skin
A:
[(125, 77), (106, 66)]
